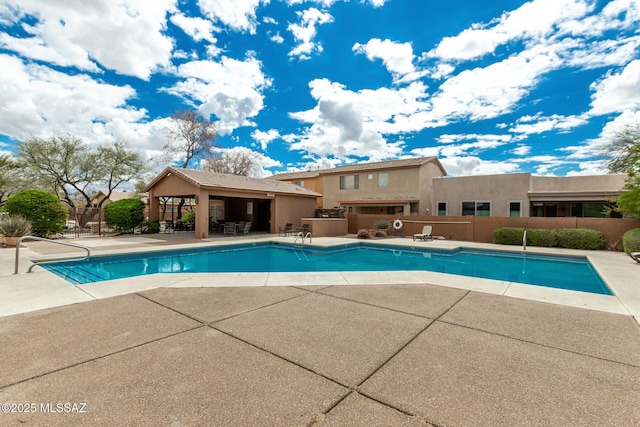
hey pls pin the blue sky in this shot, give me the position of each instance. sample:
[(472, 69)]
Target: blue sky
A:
[(486, 86)]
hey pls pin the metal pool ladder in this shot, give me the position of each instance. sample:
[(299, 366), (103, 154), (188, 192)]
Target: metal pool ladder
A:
[(524, 240), (303, 236), (49, 260)]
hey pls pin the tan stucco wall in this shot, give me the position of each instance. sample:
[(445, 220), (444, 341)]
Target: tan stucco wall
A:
[(326, 227), (313, 184), (497, 189), (290, 209), (579, 184), (403, 184), (427, 174)]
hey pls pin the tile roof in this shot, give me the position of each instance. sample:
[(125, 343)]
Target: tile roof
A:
[(389, 164), (236, 182)]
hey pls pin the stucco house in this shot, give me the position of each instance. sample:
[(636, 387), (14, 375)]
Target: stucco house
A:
[(267, 204), (525, 195), (400, 187)]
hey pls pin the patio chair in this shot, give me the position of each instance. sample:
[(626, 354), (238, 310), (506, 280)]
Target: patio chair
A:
[(288, 229), (246, 228), (229, 229), (303, 230), (635, 256), (425, 235)]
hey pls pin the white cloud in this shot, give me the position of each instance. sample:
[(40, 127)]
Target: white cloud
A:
[(304, 32), (617, 92), (196, 28), (534, 19), (396, 57), (42, 101), (126, 37), (276, 38), (229, 89), (538, 124), (240, 15), (600, 145), (264, 138)]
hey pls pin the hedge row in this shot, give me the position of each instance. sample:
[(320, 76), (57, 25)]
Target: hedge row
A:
[(631, 241), (571, 238)]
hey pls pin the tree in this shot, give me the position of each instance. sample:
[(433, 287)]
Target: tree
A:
[(190, 136), (45, 211), (73, 170), (624, 152), (240, 161), (9, 176), (125, 215)]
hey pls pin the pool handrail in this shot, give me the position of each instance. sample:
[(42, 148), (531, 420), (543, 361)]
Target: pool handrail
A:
[(48, 260)]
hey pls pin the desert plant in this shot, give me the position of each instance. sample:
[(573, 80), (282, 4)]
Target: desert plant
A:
[(580, 238), (380, 233), (363, 234), (508, 236), (15, 226), (44, 210), (153, 227), (124, 215), (381, 225), (188, 220), (631, 241), (542, 237)]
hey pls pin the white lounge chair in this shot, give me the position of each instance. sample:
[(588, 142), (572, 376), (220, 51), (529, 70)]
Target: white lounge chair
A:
[(425, 235), (635, 256)]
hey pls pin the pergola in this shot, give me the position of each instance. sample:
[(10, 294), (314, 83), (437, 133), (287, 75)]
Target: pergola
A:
[(266, 203)]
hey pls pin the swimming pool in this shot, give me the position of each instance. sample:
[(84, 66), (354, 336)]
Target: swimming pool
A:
[(542, 270)]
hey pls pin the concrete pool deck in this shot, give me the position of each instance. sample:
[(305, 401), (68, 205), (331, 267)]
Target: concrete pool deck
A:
[(292, 349)]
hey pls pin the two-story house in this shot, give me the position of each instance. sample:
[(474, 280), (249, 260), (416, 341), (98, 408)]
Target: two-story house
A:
[(401, 187)]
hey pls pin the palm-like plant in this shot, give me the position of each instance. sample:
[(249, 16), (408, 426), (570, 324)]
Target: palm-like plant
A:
[(15, 226)]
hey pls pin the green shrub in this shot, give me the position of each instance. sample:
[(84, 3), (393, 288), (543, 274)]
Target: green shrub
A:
[(542, 237), (14, 226), (363, 234), (124, 215), (508, 236), (381, 225), (580, 238), (631, 241), (188, 220), (153, 227), (44, 210)]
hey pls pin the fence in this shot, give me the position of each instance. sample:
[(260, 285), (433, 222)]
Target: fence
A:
[(86, 222), (480, 228)]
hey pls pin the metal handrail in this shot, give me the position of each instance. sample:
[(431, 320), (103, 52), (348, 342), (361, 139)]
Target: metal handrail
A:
[(20, 240), (304, 236), (524, 240)]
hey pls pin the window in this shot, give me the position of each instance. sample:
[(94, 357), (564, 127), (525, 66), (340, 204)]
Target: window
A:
[(476, 208), (515, 209), (299, 183), (468, 208), (483, 209), (442, 208), (350, 182), (383, 179)]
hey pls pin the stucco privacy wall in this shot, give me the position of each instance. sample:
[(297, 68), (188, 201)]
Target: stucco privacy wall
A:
[(480, 229)]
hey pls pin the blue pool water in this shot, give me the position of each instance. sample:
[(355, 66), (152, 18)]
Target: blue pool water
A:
[(557, 272)]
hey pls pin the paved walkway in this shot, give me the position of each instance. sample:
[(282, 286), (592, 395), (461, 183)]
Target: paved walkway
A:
[(201, 351)]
